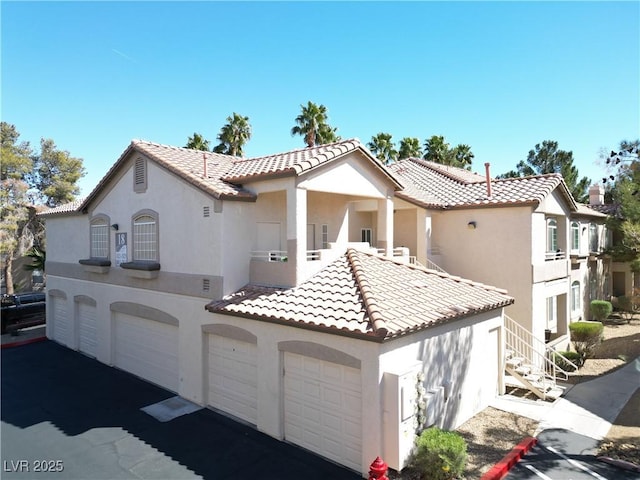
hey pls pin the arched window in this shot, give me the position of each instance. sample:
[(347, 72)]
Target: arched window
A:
[(145, 237), (99, 234), (552, 235), (575, 297), (575, 236)]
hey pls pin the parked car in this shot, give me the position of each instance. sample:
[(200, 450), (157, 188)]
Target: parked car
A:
[(28, 308)]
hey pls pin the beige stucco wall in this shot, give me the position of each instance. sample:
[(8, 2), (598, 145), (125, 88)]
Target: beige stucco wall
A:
[(497, 252), (67, 238)]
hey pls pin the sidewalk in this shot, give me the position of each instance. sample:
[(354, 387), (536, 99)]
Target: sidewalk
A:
[(588, 408), (24, 336)]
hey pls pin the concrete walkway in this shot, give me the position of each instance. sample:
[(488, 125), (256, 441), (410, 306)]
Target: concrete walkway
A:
[(588, 408), (24, 336)]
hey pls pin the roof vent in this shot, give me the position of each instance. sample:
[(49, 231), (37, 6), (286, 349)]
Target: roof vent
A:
[(487, 168)]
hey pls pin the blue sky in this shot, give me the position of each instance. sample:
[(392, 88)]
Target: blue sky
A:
[(500, 77)]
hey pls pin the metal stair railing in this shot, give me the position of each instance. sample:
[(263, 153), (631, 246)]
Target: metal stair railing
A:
[(534, 352)]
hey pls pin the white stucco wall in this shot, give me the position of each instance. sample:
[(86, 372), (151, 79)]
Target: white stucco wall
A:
[(181, 224), (67, 238)]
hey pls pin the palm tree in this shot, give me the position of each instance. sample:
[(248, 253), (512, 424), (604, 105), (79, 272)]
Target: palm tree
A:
[(463, 156), (409, 147), (382, 147), (197, 142), (312, 125), (234, 135), (436, 149)]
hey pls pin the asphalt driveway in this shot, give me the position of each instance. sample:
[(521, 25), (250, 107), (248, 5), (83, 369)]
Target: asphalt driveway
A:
[(67, 416)]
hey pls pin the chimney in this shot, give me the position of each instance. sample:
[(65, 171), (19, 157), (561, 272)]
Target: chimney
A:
[(596, 194), (487, 169), (204, 164)]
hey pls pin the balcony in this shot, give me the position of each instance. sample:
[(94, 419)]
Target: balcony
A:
[(555, 266)]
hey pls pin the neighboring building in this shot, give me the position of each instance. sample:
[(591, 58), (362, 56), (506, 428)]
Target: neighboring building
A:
[(267, 289), (624, 281), (516, 233)]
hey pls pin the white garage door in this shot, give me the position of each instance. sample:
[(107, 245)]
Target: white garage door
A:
[(61, 322), (147, 349), (87, 331), (232, 377), (323, 408)]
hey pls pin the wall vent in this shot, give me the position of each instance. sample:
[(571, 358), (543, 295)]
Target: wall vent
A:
[(206, 211), (206, 284), (140, 175)]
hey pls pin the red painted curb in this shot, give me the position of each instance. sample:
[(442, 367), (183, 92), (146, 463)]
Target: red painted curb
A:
[(23, 342), (501, 468)]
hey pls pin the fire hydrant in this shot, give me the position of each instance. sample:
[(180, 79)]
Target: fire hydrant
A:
[(378, 470)]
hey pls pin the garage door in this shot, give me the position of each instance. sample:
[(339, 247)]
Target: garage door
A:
[(232, 377), (147, 349), (61, 324), (87, 331), (323, 408)]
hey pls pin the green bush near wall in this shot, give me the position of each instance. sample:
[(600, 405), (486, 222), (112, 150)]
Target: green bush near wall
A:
[(440, 455), (601, 309), (586, 336)]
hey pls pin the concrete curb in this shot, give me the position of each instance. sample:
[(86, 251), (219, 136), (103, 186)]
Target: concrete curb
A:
[(23, 342), (500, 469)]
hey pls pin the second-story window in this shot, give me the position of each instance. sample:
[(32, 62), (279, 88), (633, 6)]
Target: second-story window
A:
[(575, 236), (593, 237), (99, 238), (145, 238), (552, 235)]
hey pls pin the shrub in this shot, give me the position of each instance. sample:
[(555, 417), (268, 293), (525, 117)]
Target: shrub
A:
[(440, 455), (629, 306), (586, 336), (574, 357), (600, 309)]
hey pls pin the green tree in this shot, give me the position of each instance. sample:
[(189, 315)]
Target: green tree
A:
[(409, 147), (55, 174), (625, 193), (382, 147), (312, 125), (197, 142), (437, 150), (26, 178), (234, 135), (547, 158), (463, 156)]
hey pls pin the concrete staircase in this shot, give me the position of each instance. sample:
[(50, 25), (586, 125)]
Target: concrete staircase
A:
[(529, 363)]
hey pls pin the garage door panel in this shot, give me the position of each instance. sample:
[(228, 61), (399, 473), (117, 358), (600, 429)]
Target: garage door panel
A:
[(87, 329), (232, 377), (322, 408), (147, 349), (61, 322)]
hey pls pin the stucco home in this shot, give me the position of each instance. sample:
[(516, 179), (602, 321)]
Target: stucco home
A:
[(524, 234), (269, 289)]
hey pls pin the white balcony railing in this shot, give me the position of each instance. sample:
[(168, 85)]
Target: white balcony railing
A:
[(559, 255), (270, 255)]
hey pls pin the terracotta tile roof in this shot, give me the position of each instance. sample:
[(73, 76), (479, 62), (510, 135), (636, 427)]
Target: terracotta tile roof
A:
[(296, 162), (366, 296), (226, 173), (433, 185), (589, 210), (67, 208), (189, 164), (606, 209)]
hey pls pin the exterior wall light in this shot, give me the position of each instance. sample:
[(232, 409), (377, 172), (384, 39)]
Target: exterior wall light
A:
[(115, 226), (471, 225)]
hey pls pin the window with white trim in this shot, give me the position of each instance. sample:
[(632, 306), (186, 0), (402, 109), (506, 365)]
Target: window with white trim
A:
[(145, 238), (552, 235), (575, 297), (575, 236), (325, 236), (99, 237)]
